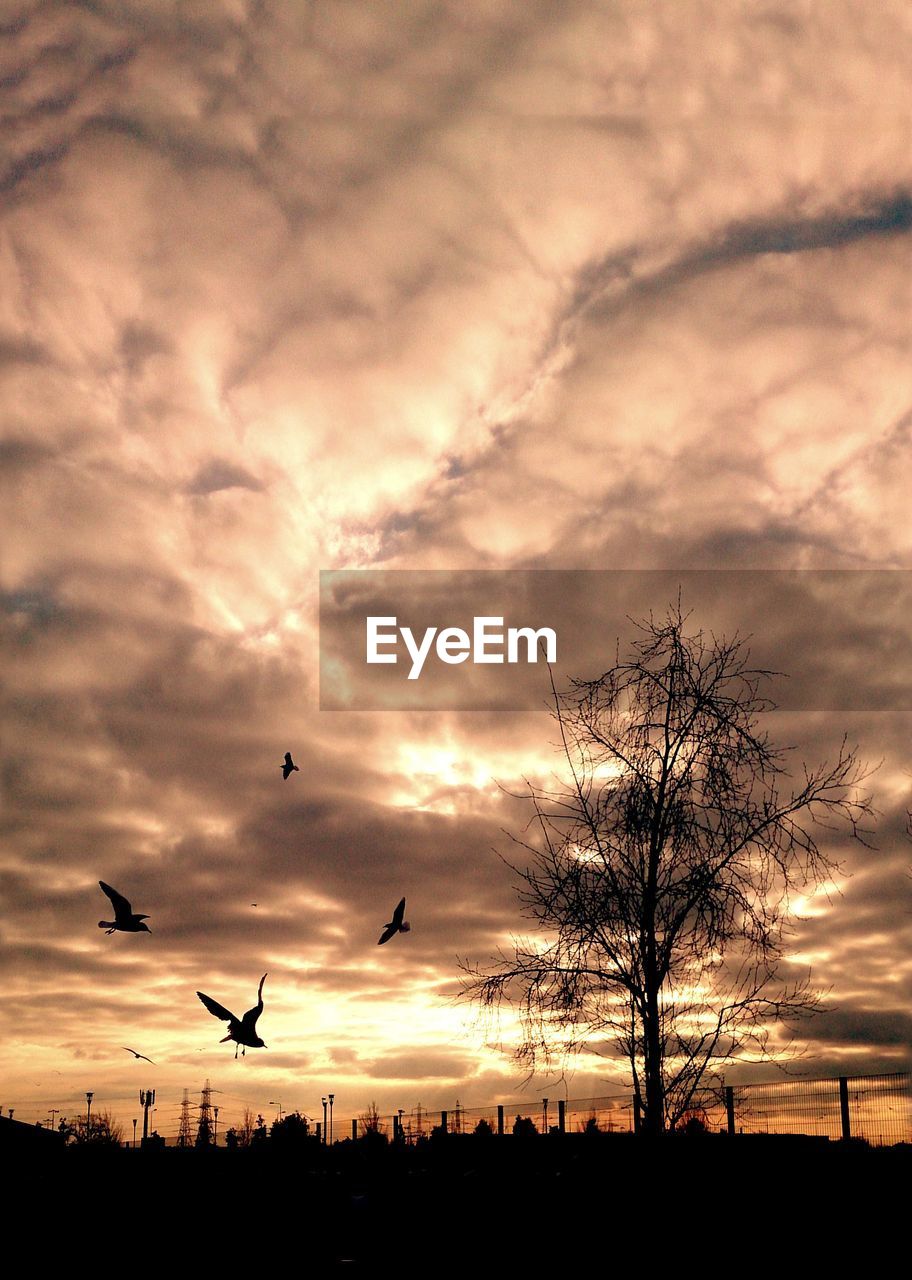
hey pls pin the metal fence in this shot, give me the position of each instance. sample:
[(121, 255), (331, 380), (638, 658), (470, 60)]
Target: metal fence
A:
[(877, 1108)]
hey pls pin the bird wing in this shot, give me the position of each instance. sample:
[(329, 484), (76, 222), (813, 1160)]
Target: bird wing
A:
[(286, 771), (249, 1019), (118, 901), (217, 1010), (288, 760), (389, 932), (137, 1055), (398, 914)]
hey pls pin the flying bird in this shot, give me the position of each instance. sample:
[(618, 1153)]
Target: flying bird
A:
[(396, 925), (137, 1055), (289, 767), (241, 1030), (124, 918)]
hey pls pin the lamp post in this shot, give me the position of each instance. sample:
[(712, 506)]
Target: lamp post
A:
[(331, 1097), (280, 1108), (324, 1120), (134, 1133), (89, 1097), (215, 1138)]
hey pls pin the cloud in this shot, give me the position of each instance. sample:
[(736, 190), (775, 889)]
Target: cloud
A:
[(412, 287), (218, 475)]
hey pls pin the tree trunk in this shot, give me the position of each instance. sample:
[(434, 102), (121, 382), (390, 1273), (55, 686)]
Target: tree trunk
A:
[(654, 1119)]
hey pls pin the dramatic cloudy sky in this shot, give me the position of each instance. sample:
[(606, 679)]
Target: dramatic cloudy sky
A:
[(474, 285)]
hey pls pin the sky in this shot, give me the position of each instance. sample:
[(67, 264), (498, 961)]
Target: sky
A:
[(399, 286)]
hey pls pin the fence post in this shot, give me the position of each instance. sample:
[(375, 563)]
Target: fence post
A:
[(844, 1106), (354, 1131), (636, 1114), (500, 1124), (730, 1107), (443, 1121), (562, 1115)]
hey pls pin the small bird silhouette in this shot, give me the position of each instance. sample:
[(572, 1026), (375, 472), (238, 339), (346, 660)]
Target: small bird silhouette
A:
[(289, 767), (124, 919), (241, 1030), (137, 1055), (396, 925)]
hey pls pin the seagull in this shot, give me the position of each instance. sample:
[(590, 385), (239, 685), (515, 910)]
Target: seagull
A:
[(289, 767), (124, 919), (241, 1030), (396, 925), (137, 1055)]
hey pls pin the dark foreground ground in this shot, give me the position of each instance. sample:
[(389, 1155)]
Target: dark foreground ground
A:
[(496, 1206)]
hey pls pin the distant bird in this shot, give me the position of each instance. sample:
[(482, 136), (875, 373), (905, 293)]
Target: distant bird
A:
[(396, 925), (241, 1030), (289, 767), (137, 1055), (254, 904), (124, 919)]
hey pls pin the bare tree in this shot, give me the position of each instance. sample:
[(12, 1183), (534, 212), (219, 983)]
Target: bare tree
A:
[(102, 1130), (664, 869), (245, 1130), (372, 1125)]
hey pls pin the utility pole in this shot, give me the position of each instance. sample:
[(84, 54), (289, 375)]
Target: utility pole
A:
[(53, 1112), (184, 1136), (204, 1128)]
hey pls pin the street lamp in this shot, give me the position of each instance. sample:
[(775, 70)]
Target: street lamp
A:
[(215, 1139), (279, 1105), (134, 1133), (331, 1096), (324, 1120), (89, 1097)]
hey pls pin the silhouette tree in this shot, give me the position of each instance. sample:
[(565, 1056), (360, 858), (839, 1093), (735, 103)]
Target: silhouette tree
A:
[(663, 869), (372, 1127), (260, 1133), (244, 1131), (102, 1130), (291, 1131)]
